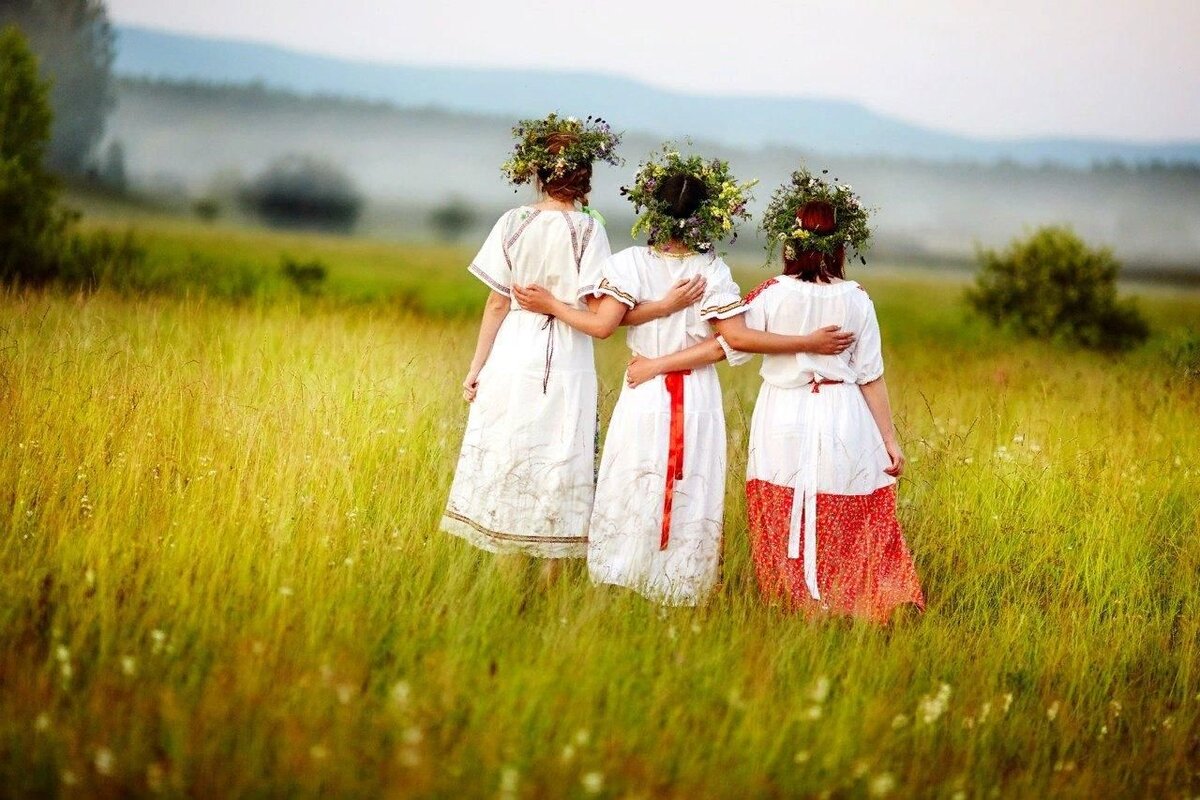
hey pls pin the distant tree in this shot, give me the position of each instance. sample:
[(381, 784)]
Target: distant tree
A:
[(452, 219), (33, 230), (301, 191), (1052, 285), (75, 46), (207, 208), (111, 169)]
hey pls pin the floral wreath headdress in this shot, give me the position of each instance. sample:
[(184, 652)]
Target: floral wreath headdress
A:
[(781, 220), (591, 139), (717, 217)]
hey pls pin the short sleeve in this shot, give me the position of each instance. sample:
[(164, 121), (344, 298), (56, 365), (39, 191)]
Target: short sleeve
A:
[(755, 317), (596, 251), (722, 297), (491, 264), (619, 279), (867, 358)]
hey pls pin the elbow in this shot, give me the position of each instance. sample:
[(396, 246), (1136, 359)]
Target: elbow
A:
[(604, 331), (736, 340), (497, 302)]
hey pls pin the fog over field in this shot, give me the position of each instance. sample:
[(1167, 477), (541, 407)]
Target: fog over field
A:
[(196, 139)]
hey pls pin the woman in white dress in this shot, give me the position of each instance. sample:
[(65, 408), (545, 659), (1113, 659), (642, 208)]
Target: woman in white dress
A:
[(526, 472), (824, 457), (658, 516)]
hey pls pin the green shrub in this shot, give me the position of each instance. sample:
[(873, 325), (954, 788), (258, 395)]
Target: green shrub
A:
[(452, 219), (1053, 286), (34, 232), (207, 209), (304, 192), (1183, 354), (306, 276)]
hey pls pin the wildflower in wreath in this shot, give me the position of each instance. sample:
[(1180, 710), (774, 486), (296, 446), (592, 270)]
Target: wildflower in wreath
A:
[(723, 207), (784, 225), (549, 148)]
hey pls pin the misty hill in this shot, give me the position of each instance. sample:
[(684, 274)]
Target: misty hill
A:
[(823, 126), (196, 139)]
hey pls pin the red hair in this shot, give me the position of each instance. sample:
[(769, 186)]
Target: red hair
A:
[(811, 265)]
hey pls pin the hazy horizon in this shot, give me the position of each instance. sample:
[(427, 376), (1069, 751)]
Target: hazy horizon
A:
[(1022, 70)]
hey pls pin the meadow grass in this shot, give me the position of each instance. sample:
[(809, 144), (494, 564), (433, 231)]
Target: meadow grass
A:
[(221, 572)]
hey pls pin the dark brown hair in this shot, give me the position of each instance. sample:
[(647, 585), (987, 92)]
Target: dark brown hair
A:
[(810, 265), (681, 195), (574, 184)]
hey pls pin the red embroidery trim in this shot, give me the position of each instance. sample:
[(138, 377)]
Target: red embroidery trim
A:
[(757, 290)]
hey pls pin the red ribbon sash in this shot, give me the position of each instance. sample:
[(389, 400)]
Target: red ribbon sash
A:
[(674, 383)]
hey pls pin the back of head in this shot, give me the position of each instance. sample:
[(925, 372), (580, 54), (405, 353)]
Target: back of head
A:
[(571, 184), (681, 195), (818, 217)]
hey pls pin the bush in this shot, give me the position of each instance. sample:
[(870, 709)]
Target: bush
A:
[(1053, 286), (34, 232), (306, 276), (452, 219), (299, 191), (1183, 354), (207, 209), (105, 258)]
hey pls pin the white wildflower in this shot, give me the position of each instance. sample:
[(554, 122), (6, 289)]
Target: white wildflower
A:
[(103, 761), (932, 706), (593, 782), (882, 784), (401, 693), (820, 690)]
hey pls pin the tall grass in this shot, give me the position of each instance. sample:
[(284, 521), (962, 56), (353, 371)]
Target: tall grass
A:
[(221, 573)]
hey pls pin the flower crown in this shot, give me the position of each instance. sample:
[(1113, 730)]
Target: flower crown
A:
[(590, 140), (715, 219), (781, 220)]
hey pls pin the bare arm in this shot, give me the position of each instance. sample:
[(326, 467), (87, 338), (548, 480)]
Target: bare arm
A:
[(876, 395), (640, 369), (495, 309), (683, 294), (598, 323), (825, 341), (829, 340)]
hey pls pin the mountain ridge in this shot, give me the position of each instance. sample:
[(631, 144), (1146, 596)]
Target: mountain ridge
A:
[(815, 125)]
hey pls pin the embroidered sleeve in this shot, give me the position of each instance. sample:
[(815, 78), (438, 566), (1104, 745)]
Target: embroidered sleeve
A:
[(756, 317), (722, 299), (619, 279), (491, 264), (867, 356), (595, 251)]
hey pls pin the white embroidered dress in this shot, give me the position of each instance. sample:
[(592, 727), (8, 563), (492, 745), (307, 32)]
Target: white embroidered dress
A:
[(526, 472), (626, 540)]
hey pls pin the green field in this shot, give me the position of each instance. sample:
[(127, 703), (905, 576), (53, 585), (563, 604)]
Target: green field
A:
[(221, 573)]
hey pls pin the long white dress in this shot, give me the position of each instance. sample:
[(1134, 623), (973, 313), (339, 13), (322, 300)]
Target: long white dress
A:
[(526, 472), (823, 527), (670, 551)]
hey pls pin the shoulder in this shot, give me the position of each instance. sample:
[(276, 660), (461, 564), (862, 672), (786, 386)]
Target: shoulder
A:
[(762, 287), (715, 265), (860, 293)]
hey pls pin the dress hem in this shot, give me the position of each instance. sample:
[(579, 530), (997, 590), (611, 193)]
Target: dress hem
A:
[(496, 542)]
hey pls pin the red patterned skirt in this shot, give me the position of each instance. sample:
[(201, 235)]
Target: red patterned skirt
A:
[(864, 567)]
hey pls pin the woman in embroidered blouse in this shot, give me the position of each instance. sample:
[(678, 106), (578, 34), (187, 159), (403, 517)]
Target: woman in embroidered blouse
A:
[(824, 457), (658, 515), (526, 472)]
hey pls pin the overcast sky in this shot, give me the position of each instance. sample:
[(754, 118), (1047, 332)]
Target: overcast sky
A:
[(1104, 68)]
